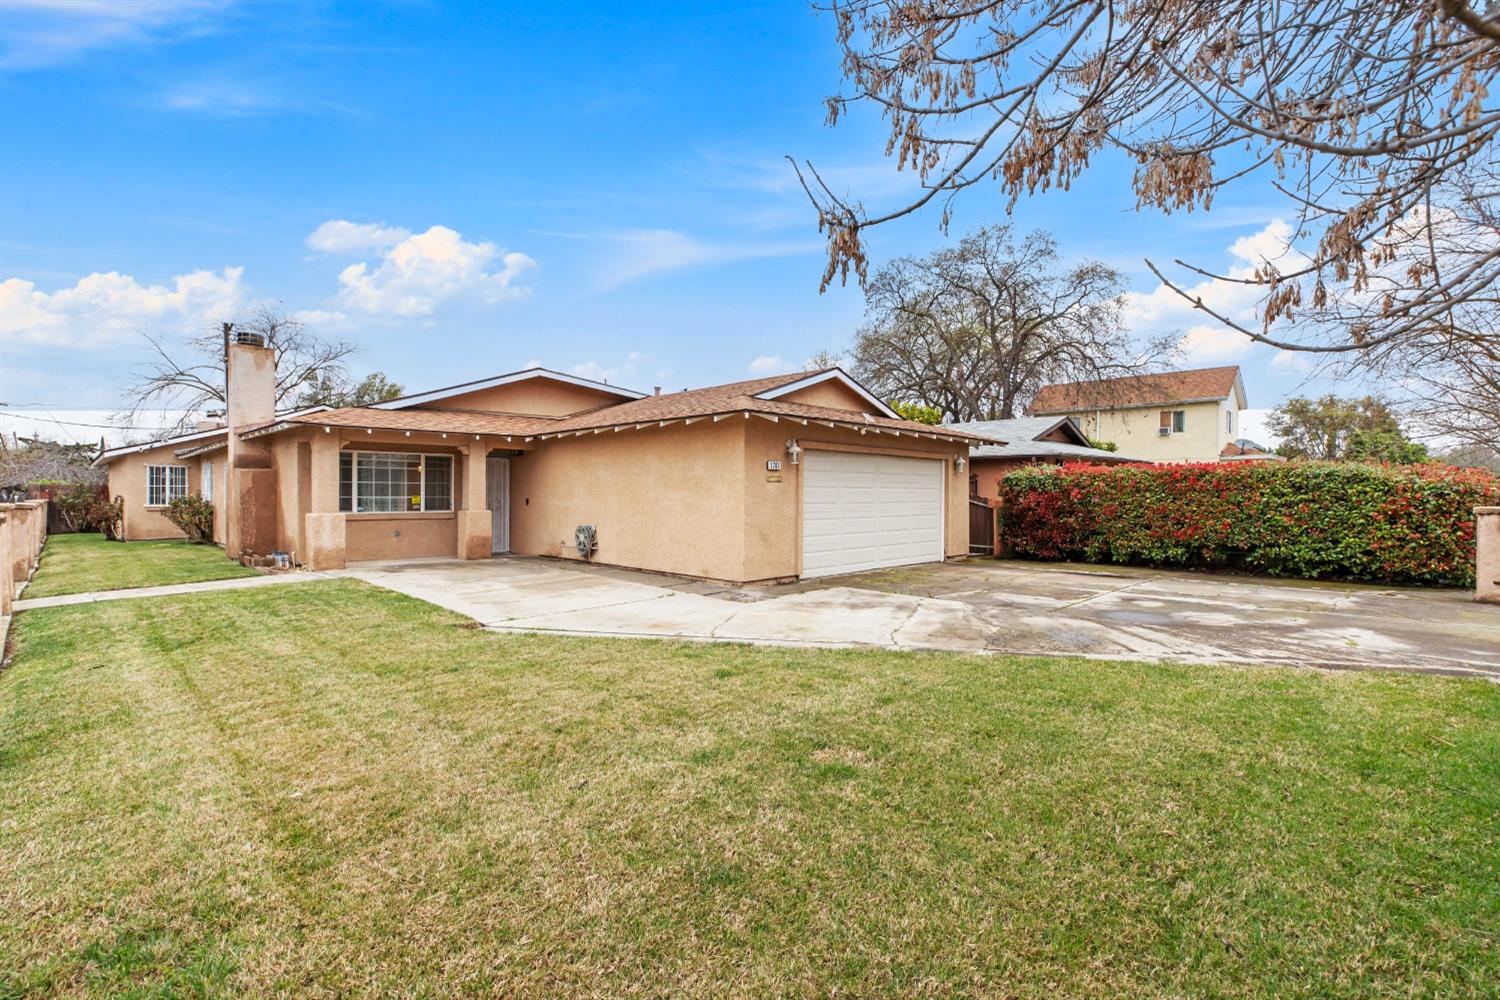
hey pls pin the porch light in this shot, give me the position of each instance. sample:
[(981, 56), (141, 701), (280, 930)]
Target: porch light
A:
[(959, 462), (793, 449)]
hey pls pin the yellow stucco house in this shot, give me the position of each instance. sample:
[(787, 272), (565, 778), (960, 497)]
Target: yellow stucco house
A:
[(1183, 416), (796, 475)]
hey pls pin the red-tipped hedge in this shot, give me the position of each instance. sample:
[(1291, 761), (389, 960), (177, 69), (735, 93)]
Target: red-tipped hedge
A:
[(1390, 524)]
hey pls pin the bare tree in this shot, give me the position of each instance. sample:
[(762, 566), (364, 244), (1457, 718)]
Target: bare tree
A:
[(975, 329), (197, 380), (1361, 113), (1450, 373)]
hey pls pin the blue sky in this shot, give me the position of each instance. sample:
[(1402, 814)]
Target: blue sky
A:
[(465, 189)]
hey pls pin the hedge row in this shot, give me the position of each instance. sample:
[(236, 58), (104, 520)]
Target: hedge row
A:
[(1389, 524)]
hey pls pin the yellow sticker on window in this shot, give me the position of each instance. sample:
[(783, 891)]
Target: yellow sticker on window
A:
[(416, 501)]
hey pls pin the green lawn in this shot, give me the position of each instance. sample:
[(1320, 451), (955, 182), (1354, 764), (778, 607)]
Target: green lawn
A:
[(75, 564), (328, 789)]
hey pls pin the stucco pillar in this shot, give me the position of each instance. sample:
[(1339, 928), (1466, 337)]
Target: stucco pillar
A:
[(7, 582), (19, 550), (323, 524), (475, 527), (1487, 561)]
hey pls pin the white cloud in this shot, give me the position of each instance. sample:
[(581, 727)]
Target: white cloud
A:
[(610, 373), (767, 363), (104, 307), (339, 236), (417, 272), (41, 33), (1292, 361), (1163, 309), (322, 319), (642, 252), (1212, 343)]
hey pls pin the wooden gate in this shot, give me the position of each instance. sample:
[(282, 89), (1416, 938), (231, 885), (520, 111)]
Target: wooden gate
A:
[(981, 527)]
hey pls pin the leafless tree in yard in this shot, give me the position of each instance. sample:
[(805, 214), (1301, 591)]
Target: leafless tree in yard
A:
[(1370, 117), (196, 379), (1450, 374), (975, 329)]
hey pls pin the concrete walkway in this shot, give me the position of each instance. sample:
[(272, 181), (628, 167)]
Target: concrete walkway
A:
[(985, 606), (237, 583), (982, 606)]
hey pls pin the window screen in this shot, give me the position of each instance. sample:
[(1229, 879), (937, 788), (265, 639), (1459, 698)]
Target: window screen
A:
[(346, 480), (437, 482), (164, 483)]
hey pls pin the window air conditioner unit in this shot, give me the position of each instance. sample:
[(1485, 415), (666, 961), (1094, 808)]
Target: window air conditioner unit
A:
[(1164, 431)]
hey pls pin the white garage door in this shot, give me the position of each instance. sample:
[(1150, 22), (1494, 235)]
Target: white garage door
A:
[(865, 511)]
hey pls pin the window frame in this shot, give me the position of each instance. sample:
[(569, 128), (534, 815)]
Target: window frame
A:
[(168, 493), (349, 458)]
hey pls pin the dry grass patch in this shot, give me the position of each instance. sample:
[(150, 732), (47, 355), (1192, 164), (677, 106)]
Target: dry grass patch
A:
[(328, 789)]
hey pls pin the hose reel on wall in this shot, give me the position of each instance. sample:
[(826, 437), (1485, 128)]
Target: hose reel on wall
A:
[(585, 540)]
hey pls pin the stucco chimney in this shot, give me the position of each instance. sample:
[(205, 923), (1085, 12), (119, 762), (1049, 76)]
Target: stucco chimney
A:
[(251, 380), (249, 509), (658, 390)]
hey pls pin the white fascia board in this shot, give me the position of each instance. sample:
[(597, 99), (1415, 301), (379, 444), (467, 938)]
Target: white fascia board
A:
[(839, 375), (417, 399)]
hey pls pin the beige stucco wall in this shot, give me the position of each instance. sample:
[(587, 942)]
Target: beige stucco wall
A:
[(127, 478), (296, 456), (538, 396), (830, 393), (773, 510), (399, 536), (664, 498), (1487, 554), (1134, 431), (695, 500)]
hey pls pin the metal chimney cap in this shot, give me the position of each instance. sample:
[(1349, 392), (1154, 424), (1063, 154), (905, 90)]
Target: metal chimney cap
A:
[(249, 338)]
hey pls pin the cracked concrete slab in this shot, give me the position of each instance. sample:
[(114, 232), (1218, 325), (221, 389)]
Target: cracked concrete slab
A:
[(985, 606)]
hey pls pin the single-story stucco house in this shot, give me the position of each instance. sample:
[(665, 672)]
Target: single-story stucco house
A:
[(797, 475), (1028, 441)]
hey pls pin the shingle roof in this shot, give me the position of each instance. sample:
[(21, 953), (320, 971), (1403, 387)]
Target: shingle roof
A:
[(1019, 437), (1137, 390), (736, 397), (1022, 428), (448, 421), (713, 401)]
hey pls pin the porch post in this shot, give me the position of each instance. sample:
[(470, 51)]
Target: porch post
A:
[(323, 524), (475, 528)]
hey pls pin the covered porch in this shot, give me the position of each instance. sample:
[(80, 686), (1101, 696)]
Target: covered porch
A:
[(356, 494)]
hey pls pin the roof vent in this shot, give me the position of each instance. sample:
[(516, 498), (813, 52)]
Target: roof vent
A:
[(658, 389), (249, 338)]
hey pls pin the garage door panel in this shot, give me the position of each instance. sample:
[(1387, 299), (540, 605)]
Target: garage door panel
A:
[(862, 511)]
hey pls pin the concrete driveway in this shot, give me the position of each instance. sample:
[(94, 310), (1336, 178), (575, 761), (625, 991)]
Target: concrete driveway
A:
[(984, 606)]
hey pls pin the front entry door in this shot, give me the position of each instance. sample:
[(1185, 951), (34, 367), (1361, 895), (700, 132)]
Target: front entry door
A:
[(497, 499)]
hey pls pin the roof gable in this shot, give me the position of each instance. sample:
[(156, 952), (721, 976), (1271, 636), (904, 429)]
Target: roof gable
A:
[(830, 387), (1191, 386), (433, 397)]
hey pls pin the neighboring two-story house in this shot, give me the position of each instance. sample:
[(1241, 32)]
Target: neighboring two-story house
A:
[(1186, 416)]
